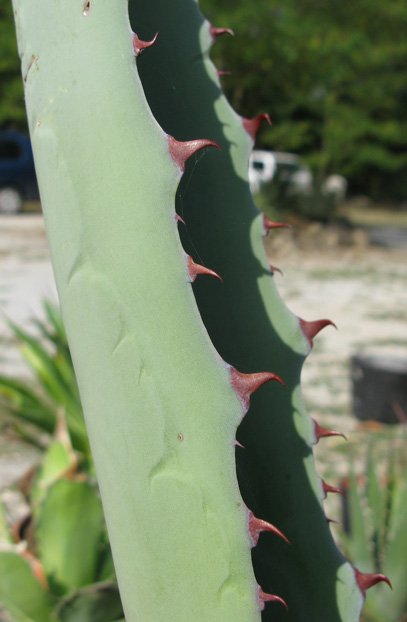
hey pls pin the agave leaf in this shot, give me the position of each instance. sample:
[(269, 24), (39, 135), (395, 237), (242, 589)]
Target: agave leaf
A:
[(54, 317), (57, 460), (5, 534), (357, 543), (95, 603), (47, 371), (376, 499), (395, 561), (69, 530), (20, 400), (20, 592), (106, 571), (58, 381), (25, 403), (62, 357)]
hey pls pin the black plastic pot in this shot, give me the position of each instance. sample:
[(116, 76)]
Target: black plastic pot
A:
[(379, 388)]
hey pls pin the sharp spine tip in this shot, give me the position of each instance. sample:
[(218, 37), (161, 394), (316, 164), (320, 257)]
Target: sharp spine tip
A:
[(195, 268), (365, 580), (327, 488), (271, 224), (252, 126), (321, 432), (257, 525), (311, 329), (139, 45), (180, 150), (217, 32), (263, 598), (275, 269), (179, 219), (246, 384)]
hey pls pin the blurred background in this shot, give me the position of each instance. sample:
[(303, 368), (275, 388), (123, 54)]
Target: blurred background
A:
[(333, 77)]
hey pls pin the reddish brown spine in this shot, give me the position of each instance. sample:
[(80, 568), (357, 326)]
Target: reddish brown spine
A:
[(252, 126), (195, 268), (263, 598), (365, 580), (327, 488), (246, 384), (218, 32), (139, 45), (256, 526), (180, 151), (311, 329), (271, 224), (321, 432)]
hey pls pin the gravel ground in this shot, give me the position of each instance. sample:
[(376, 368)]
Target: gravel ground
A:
[(327, 273)]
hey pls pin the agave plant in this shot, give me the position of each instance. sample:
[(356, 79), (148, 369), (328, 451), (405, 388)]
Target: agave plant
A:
[(169, 360), (375, 536)]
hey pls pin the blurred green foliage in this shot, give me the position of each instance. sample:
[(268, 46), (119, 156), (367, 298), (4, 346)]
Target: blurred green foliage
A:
[(375, 536), (56, 563), (332, 74), (54, 390), (12, 111)]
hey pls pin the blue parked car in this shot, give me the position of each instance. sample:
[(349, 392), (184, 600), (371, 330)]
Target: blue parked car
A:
[(18, 182)]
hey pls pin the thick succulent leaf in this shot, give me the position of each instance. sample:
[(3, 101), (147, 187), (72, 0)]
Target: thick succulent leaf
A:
[(5, 535), (54, 332), (376, 499), (94, 603), (70, 527), (23, 402), (20, 591), (106, 571), (56, 461), (246, 319), (47, 371), (358, 541), (395, 554)]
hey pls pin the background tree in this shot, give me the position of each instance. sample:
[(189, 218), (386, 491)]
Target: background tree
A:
[(11, 90), (333, 76)]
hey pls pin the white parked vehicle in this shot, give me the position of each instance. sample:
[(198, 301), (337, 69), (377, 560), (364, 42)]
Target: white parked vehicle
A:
[(290, 170)]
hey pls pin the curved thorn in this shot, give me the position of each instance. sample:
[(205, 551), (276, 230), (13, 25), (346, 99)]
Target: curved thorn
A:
[(271, 224), (311, 329), (237, 444), (180, 150), (139, 45), (321, 432), (179, 219), (257, 525), (252, 126), (224, 73), (365, 580), (246, 384), (275, 269), (217, 32), (263, 598), (195, 268), (327, 488)]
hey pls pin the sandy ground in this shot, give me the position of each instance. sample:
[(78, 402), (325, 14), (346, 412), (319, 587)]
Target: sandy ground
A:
[(327, 273)]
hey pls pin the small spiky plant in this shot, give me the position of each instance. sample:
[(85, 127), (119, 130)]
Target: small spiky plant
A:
[(167, 370)]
